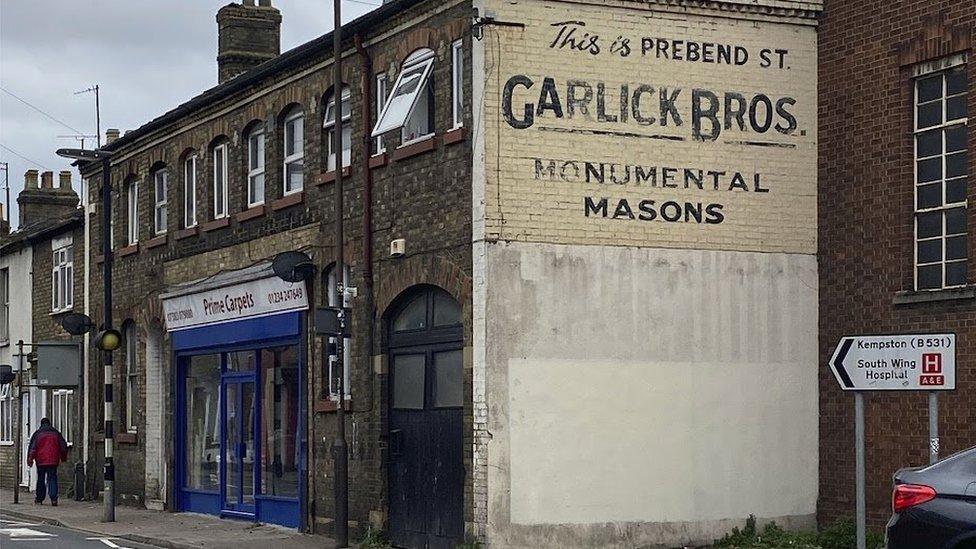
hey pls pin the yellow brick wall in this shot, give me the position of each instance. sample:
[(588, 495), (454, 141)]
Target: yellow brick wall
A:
[(523, 205)]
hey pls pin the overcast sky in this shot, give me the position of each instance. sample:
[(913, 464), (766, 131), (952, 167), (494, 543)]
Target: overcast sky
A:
[(147, 56)]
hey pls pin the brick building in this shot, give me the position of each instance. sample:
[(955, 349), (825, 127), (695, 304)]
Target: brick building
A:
[(896, 84), (39, 260), (553, 226)]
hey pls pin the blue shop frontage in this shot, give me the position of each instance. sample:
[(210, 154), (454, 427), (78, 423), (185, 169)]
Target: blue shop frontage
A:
[(240, 412)]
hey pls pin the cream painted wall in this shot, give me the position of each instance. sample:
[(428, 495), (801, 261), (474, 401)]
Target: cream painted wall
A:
[(671, 393)]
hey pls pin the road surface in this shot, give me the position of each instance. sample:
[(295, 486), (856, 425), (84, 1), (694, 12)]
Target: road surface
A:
[(21, 534)]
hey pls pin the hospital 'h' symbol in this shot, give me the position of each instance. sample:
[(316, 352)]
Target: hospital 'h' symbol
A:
[(932, 363)]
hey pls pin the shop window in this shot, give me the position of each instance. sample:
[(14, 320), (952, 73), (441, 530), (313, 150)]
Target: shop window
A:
[(161, 185), (281, 405), (329, 127), (6, 414), (132, 212), (380, 96), (255, 166), (457, 83), (62, 275), (220, 181), (202, 423), (346, 342), (130, 333), (410, 107), (63, 413), (941, 160), (190, 191), (294, 149)]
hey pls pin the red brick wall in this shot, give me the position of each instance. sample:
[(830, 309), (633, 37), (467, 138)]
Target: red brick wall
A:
[(866, 231)]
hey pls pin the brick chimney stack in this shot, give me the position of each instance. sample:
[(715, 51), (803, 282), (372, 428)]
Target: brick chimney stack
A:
[(247, 35), (4, 221), (111, 135), (39, 203)]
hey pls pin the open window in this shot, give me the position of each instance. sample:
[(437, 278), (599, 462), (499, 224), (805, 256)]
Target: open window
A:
[(410, 105)]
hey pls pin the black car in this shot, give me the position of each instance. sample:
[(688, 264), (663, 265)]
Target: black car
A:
[(934, 507)]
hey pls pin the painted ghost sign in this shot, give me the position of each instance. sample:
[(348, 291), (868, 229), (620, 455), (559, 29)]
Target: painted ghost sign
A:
[(605, 122)]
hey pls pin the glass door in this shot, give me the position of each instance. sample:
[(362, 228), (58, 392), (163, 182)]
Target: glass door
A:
[(239, 448)]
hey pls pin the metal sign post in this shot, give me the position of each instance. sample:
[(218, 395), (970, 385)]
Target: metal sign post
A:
[(902, 362), (859, 468)]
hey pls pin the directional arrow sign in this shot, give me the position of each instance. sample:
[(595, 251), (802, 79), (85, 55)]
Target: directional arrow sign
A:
[(905, 362)]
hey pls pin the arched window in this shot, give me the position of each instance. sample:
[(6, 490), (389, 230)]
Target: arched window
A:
[(294, 150), (131, 337), (190, 191), (220, 151), (411, 105), (329, 127), (132, 212), (161, 187), (255, 166)]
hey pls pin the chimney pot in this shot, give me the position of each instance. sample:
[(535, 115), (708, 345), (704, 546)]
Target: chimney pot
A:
[(111, 135), (47, 180), (30, 179), (64, 179)]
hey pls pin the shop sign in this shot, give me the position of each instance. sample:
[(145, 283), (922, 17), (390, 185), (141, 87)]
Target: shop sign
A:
[(250, 299)]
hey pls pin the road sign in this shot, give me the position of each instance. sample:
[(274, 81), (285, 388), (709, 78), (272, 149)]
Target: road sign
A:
[(904, 362)]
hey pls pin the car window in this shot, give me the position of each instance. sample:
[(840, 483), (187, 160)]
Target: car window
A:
[(963, 463)]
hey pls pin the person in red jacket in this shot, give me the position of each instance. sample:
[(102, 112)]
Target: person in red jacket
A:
[(48, 449)]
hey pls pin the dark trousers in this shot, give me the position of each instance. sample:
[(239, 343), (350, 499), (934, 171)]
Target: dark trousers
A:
[(47, 475)]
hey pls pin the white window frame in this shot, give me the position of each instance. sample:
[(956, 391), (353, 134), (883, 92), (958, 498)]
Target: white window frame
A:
[(63, 413), (62, 275), (6, 415), (131, 336), (161, 189), (347, 342), (255, 169), (394, 115), (328, 127), (5, 306), (457, 83), (132, 212), (220, 181), (190, 191), (299, 152), (379, 147), (921, 73)]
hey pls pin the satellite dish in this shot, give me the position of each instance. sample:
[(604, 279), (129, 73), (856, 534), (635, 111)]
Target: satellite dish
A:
[(77, 323), (293, 266)]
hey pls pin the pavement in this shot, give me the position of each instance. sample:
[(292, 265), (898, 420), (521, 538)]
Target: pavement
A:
[(142, 526)]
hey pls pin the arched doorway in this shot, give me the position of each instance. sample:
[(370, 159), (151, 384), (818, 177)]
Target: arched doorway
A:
[(426, 402)]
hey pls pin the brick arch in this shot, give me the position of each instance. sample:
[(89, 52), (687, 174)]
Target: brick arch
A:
[(434, 271), (936, 39)]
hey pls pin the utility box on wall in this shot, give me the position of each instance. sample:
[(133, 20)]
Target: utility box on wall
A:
[(58, 364)]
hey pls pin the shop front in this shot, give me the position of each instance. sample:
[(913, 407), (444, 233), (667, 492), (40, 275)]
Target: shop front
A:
[(240, 404)]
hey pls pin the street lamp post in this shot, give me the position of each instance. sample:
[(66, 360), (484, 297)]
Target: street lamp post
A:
[(109, 339)]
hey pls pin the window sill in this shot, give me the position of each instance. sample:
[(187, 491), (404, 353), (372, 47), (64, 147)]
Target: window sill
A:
[(6, 443), (453, 136), (127, 438), (288, 201), (415, 148), (329, 177), (253, 212), (216, 224), (187, 232), (5, 343), (378, 160), (61, 311), (325, 406), (128, 250), (156, 242), (911, 297)]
